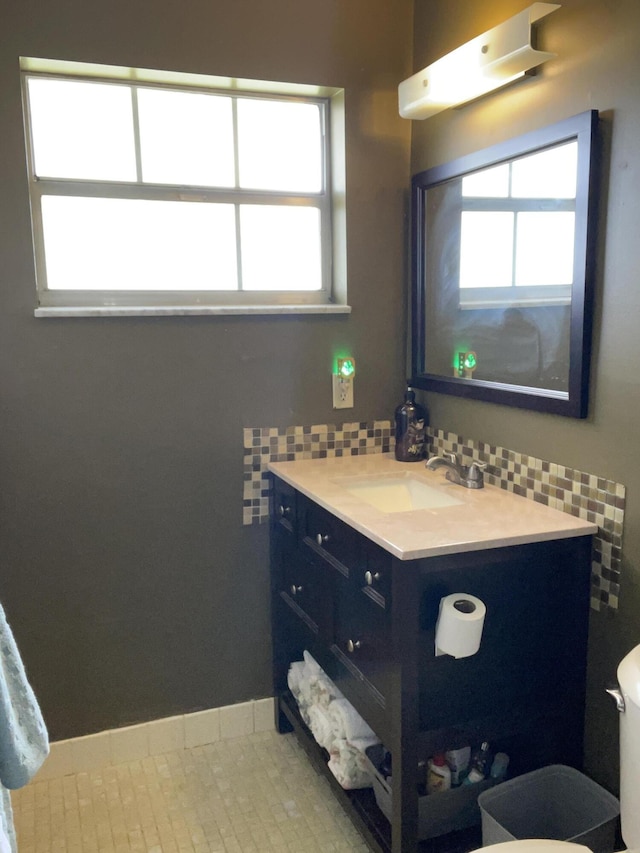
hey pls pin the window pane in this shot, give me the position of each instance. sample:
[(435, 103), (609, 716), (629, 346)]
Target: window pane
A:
[(186, 138), (544, 248), (138, 244), (280, 248), (489, 183), (548, 174), (486, 249), (279, 145), (82, 130)]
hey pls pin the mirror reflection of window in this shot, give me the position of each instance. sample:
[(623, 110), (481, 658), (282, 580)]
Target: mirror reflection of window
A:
[(547, 174), (488, 183), (486, 249), (517, 226), (544, 248)]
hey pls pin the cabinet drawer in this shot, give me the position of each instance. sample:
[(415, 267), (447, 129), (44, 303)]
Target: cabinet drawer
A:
[(331, 539)]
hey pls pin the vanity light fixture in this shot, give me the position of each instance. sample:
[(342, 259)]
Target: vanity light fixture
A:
[(500, 56)]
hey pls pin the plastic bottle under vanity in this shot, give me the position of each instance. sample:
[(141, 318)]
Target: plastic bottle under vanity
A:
[(411, 429), (458, 761), (480, 764), (438, 775), (499, 767)]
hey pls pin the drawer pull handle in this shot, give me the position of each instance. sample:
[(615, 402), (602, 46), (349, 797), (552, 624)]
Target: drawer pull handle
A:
[(322, 539), (371, 577), (295, 589), (352, 645), (284, 510)]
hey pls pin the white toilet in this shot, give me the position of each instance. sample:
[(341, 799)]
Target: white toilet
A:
[(628, 701), (538, 845)]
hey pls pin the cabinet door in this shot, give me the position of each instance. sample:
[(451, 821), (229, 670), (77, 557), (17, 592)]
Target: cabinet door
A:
[(283, 509), (305, 588)]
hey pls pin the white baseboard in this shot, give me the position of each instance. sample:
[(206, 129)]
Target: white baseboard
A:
[(117, 746)]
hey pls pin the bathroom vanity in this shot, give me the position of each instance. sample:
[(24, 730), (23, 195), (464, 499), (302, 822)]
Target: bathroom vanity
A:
[(358, 582)]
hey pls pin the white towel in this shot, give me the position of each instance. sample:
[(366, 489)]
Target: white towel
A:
[(348, 766), (294, 677), (317, 686), (348, 722), (312, 667), (310, 685), (334, 722), (359, 747), (323, 691), (321, 726)]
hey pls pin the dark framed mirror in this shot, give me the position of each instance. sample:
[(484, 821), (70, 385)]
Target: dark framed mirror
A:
[(503, 248)]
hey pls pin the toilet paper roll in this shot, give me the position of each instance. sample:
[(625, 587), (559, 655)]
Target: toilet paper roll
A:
[(459, 625)]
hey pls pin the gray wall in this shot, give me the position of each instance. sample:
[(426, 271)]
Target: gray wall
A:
[(131, 585), (597, 68)]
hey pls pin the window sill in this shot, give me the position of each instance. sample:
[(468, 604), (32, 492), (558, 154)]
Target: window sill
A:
[(187, 310)]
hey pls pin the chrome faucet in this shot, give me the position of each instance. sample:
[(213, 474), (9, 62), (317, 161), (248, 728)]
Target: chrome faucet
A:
[(469, 476)]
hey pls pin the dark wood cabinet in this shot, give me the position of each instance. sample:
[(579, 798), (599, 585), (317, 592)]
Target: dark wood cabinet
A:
[(369, 620)]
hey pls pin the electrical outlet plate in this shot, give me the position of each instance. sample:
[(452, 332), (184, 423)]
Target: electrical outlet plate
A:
[(342, 392)]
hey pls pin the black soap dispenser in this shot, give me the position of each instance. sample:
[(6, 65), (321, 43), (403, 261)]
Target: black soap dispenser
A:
[(411, 429)]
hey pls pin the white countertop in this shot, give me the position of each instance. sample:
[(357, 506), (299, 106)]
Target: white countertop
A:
[(485, 518)]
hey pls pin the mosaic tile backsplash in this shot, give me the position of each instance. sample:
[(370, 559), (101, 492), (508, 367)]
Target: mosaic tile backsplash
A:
[(581, 494), (284, 444)]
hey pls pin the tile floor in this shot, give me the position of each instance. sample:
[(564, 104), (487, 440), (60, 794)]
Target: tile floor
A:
[(254, 794)]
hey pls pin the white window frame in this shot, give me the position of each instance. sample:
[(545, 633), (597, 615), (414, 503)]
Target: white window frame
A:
[(329, 202)]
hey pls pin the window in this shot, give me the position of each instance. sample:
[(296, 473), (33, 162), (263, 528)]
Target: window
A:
[(517, 231), (180, 190)]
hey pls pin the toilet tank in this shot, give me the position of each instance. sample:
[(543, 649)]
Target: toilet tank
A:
[(629, 681)]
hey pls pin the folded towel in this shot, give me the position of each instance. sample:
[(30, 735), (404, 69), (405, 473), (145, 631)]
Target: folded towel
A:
[(24, 744), (334, 722), (348, 722), (310, 685), (294, 677), (359, 747), (347, 780), (316, 685), (321, 726), (347, 765), (322, 690), (312, 667)]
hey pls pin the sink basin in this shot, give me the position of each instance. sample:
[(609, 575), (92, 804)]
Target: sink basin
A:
[(398, 493)]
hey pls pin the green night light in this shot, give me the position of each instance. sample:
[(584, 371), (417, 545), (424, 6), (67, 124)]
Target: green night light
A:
[(346, 367), (466, 363), (470, 361)]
